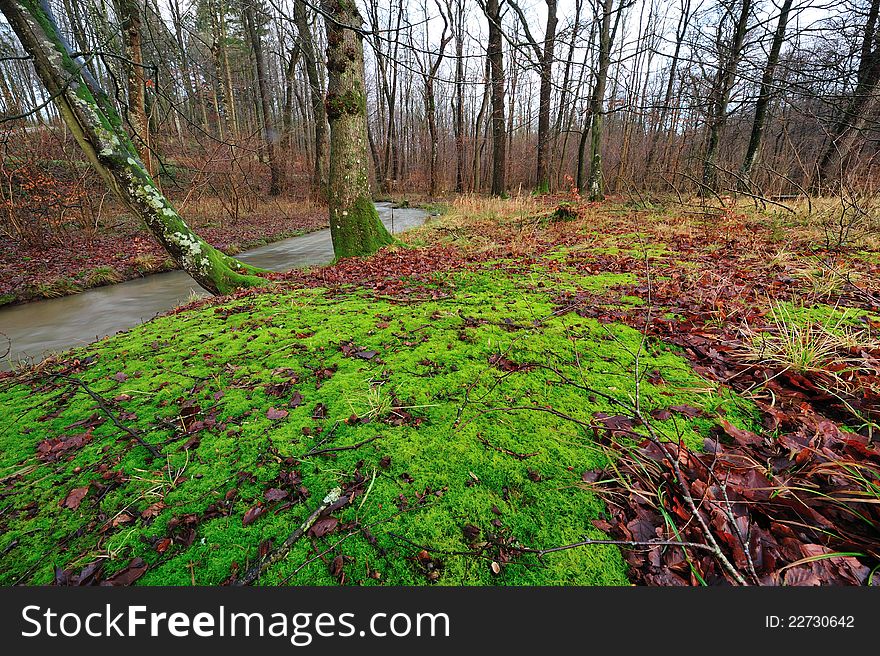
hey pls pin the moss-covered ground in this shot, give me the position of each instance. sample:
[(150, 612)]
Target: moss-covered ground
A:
[(459, 419)]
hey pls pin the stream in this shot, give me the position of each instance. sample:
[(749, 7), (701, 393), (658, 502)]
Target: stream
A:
[(39, 328)]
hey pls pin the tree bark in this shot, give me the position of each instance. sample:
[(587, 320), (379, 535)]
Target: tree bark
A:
[(354, 223), (458, 109), (545, 57), (720, 98), (316, 95), (270, 134), (496, 74), (97, 127), (595, 184), (850, 130), (130, 17), (765, 95)]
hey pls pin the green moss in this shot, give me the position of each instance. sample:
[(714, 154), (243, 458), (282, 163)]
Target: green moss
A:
[(357, 230), (446, 403)]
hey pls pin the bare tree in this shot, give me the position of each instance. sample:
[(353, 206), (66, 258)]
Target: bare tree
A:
[(545, 54), (316, 94), (254, 23), (495, 55), (729, 55)]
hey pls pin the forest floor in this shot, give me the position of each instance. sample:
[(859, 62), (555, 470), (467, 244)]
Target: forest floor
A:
[(602, 395), (72, 259)]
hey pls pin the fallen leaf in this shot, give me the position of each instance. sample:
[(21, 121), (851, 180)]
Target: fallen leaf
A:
[(272, 413), (75, 497), (129, 575), (251, 515), (323, 526), (275, 494)]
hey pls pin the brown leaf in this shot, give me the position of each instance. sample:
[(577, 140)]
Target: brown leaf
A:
[(336, 566), (75, 497), (121, 518), (272, 413), (275, 494), (323, 526), (251, 515), (152, 510), (129, 575), (742, 437), (471, 532), (686, 410)]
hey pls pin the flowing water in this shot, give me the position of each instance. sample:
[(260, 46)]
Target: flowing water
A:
[(37, 329)]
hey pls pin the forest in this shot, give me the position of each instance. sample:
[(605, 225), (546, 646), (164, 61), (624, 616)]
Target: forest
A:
[(440, 292)]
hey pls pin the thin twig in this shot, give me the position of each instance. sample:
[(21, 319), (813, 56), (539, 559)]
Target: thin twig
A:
[(335, 449), (281, 551)]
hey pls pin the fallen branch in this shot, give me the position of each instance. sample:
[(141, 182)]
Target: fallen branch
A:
[(335, 449), (253, 574), (518, 456), (102, 403)]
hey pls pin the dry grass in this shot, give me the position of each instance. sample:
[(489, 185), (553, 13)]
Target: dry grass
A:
[(807, 346)]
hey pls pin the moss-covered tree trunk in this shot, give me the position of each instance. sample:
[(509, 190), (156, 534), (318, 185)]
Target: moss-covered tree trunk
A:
[(97, 127), (354, 222)]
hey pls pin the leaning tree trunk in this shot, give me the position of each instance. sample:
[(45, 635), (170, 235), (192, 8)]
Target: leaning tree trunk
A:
[(354, 223), (97, 127)]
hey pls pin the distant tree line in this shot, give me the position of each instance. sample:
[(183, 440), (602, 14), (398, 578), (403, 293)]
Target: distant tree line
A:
[(762, 97)]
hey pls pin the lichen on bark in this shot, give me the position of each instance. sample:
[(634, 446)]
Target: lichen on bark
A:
[(354, 223), (98, 129)]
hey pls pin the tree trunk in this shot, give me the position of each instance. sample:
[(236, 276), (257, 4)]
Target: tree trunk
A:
[(764, 96), (544, 56), (316, 95), (130, 17), (97, 127), (354, 223), (680, 32), (458, 121), (724, 79), (595, 185), (857, 117), (496, 68), (270, 134)]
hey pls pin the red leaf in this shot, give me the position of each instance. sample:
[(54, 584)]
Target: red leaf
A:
[(323, 526), (275, 494), (129, 575), (742, 437)]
